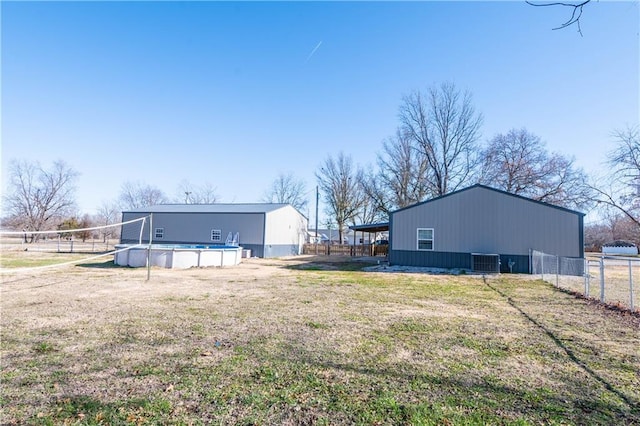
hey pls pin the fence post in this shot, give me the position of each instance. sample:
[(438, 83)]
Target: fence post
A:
[(557, 271), (586, 277), (602, 279), (630, 286)]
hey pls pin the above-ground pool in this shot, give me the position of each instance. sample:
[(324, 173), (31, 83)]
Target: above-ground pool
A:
[(178, 256)]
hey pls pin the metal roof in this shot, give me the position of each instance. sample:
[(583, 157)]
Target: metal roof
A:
[(473, 187), (210, 208), (372, 227)]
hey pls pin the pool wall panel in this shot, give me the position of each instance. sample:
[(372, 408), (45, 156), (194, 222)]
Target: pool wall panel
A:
[(179, 257), (210, 258), (161, 258)]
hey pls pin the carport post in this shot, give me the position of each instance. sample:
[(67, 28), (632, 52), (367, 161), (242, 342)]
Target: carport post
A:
[(355, 234)]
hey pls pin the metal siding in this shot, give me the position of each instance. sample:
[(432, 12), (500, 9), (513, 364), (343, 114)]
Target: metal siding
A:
[(432, 259), (285, 226), (257, 250), (195, 228), (278, 250), (487, 221), (130, 233), (521, 263), (581, 240)]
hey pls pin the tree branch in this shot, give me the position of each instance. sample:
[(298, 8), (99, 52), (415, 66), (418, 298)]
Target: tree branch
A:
[(576, 13)]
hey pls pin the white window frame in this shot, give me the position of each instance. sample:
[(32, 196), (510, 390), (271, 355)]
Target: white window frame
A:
[(217, 232), (418, 239), (158, 233)]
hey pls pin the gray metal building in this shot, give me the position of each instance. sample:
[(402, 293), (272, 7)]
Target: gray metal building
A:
[(268, 230), (475, 227)]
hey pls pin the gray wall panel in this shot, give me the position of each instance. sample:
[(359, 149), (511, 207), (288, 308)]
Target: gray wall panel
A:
[(257, 250), (432, 259), (195, 228), (520, 266), (447, 260)]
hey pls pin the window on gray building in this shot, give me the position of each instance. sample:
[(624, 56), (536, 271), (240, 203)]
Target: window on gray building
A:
[(216, 235), (425, 238), (159, 234)]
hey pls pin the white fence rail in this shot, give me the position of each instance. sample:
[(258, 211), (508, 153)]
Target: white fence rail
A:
[(59, 245), (613, 280)]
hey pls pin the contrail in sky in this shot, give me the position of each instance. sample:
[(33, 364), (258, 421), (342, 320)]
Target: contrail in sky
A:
[(313, 51)]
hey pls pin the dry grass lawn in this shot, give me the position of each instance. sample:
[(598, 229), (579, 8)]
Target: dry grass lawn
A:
[(308, 341)]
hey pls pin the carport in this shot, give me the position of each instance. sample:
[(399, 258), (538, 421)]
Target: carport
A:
[(372, 228)]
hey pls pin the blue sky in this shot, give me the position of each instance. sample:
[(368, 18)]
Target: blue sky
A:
[(235, 93)]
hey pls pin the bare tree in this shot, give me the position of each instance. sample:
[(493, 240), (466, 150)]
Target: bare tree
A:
[(134, 195), (519, 163), (38, 199), (403, 170), (108, 213), (196, 194), (595, 236), (373, 207), (443, 125), (287, 189), (400, 179), (576, 9), (613, 227), (338, 181), (622, 190), (621, 227)]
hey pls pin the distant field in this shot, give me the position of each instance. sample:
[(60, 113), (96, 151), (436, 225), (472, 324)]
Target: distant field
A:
[(308, 341)]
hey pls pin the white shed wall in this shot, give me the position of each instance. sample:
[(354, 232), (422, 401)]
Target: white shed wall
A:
[(285, 226)]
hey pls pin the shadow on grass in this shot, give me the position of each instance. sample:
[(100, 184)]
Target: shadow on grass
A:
[(482, 395), (76, 408), (633, 405), (107, 264), (477, 399), (331, 263)]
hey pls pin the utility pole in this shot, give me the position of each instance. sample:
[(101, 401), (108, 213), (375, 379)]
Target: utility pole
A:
[(317, 199)]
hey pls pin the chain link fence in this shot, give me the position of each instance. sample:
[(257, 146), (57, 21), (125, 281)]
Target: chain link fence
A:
[(610, 279)]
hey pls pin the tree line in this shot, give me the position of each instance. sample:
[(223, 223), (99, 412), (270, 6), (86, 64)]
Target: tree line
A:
[(435, 149)]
